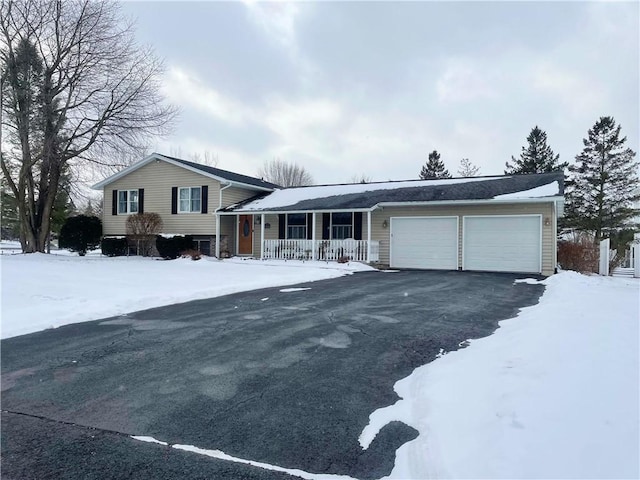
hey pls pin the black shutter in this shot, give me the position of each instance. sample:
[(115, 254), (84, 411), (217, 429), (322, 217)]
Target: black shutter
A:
[(141, 200), (114, 203), (174, 200), (282, 226), (357, 225), (309, 226), (204, 198), (326, 225)]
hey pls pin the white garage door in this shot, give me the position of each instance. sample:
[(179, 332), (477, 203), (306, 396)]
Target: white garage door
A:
[(424, 242), (502, 243)]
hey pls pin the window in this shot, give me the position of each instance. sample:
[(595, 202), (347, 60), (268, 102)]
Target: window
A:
[(296, 226), (189, 199), (127, 201), (341, 225)]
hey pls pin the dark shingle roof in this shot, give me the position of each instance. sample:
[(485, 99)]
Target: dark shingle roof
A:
[(231, 176), (487, 188)]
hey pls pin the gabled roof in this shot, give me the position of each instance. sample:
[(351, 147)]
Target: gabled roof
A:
[(365, 196), (223, 176)]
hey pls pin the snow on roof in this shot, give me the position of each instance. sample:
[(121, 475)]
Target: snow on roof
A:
[(548, 190), (364, 196), (292, 196)]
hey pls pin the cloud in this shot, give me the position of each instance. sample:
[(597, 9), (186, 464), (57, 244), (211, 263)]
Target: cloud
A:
[(277, 19), (187, 90), (463, 81), (578, 94)]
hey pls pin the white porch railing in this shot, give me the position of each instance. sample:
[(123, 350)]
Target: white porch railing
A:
[(329, 250)]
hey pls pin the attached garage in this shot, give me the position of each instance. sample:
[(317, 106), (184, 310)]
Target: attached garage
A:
[(424, 242), (502, 243)]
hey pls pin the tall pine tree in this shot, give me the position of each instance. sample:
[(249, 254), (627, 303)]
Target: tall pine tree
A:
[(434, 168), (604, 182), (536, 157)]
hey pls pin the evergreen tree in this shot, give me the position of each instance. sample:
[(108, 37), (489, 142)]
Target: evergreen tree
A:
[(468, 169), (536, 157), (434, 168), (604, 182)]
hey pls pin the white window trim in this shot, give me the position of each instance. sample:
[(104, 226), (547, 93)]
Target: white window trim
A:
[(353, 225), (286, 230), (128, 201), (199, 187)]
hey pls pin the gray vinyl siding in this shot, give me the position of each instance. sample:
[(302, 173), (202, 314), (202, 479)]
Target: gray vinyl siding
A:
[(546, 210)]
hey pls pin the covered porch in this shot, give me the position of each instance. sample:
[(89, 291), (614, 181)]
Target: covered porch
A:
[(329, 250), (305, 235)]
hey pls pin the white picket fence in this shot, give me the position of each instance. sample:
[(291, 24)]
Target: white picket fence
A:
[(328, 250), (631, 264)]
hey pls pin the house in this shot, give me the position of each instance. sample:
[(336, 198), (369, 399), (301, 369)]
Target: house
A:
[(502, 223), (185, 194)]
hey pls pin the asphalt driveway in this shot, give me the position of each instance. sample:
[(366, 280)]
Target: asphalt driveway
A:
[(284, 378)]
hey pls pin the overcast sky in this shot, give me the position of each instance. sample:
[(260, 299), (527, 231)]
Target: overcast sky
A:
[(354, 88)]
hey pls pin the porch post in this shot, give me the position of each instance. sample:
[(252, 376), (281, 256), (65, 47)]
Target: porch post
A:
[(218, 236), (369, 236), (262, 236), (314, 254)]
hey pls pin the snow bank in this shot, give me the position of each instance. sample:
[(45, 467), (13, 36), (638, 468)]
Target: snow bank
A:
[(46, 291), (552, 394)]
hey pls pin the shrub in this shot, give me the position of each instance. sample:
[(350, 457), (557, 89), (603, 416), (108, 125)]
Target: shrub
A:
[(579, 254), (191, 253), (142, 229), (80, 233), (114, 247), (170, 248)]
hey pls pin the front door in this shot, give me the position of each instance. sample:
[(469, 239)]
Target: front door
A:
[(245, 234)]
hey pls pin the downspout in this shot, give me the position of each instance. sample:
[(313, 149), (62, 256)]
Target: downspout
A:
[(218, 220)]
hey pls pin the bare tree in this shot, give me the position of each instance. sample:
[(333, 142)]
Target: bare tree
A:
[(468, 169), (76, 91), (362, 178), (285, 174), (207, 158)]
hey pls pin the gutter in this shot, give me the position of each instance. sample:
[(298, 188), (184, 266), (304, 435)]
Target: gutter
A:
[(559, 200), (471, 202)]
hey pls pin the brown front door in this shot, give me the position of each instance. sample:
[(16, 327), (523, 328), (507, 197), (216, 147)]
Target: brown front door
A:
[(245, 234)]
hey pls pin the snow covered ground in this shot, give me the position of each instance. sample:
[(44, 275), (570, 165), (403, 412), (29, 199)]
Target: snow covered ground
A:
[(552, 394), (45, 291)]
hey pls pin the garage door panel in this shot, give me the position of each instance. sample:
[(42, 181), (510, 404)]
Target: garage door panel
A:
[(424, 242), (502, 244)]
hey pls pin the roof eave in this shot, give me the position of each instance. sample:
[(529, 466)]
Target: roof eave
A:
[(556, 199), (278, 212), (157, 156)]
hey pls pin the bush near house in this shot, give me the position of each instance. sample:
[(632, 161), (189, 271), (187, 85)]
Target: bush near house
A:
[(80, 233), (579, 254), (142, 230), (172, 247), (114, 247)]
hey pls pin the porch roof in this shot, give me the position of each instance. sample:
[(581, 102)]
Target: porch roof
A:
[(359, 196)]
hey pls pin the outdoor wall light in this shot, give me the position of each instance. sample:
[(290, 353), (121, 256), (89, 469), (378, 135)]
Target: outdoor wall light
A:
[(385, 224), (547, 222), (257, 220)]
